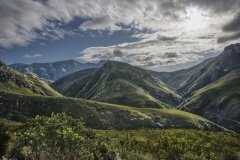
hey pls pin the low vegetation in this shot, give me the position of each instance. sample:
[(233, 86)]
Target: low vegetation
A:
[(61, 137), (173, 144), (57, 137)]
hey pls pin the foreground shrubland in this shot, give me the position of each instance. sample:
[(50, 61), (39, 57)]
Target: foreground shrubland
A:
[(63, 137)]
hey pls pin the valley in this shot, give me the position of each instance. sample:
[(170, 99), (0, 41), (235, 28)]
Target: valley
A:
[(119, 80), (118, 96)]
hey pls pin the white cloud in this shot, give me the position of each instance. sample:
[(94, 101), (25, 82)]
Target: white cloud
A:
[(21, 18), (32, 55), (184, 27), (156, 50), (101, 23)]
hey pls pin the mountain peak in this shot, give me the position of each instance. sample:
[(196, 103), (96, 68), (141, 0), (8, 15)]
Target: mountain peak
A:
[(120, 83), (109, 63), (233, 48)]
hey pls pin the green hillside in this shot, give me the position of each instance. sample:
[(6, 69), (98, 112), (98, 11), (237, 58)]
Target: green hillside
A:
[(218, 101), (119, 83), (178, 79), (63, 84), (14, 82), (100, 115)]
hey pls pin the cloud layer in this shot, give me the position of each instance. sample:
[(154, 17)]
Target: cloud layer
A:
[(168, 31), (32, 55)]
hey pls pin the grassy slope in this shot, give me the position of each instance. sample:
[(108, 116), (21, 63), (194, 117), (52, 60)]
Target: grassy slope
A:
[(218, 101), (63, 83), (14, 82), (177, 79), (216, 68), (100, 115), (120, 83)]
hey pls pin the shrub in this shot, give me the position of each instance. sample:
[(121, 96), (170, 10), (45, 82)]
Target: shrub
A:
[(59, 137)]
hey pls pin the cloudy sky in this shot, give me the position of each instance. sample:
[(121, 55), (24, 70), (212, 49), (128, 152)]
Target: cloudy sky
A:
[(155, 34)]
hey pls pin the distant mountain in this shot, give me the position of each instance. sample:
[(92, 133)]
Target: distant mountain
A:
[(193, 78), (212, 70), (53, 71), (219, 101), (119, 83), (12, 81), (178, 78)]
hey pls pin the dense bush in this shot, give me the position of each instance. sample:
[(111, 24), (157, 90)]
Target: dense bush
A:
[(59, 137), (173, 144)]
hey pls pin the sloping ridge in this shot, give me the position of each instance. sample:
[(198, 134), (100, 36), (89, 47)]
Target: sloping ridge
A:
[(100, 115), (14, 82), (216, 68), (177, 79), (121, 83), (218, 101)]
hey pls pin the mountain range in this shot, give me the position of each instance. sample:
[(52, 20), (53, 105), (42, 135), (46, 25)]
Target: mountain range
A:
[(24, 97), (113, 91), (53, 71)]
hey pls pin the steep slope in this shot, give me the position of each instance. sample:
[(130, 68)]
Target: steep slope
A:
[(218, 101), (100, 115), (53, 71), (120, 83), (213, 70), (63, 83), (14, 82), (178, 78)]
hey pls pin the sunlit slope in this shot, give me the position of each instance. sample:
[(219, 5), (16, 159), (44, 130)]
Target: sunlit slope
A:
[(100, 115), (14, 82)]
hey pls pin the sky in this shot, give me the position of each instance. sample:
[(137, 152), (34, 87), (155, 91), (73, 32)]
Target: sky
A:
[(153, 34)]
